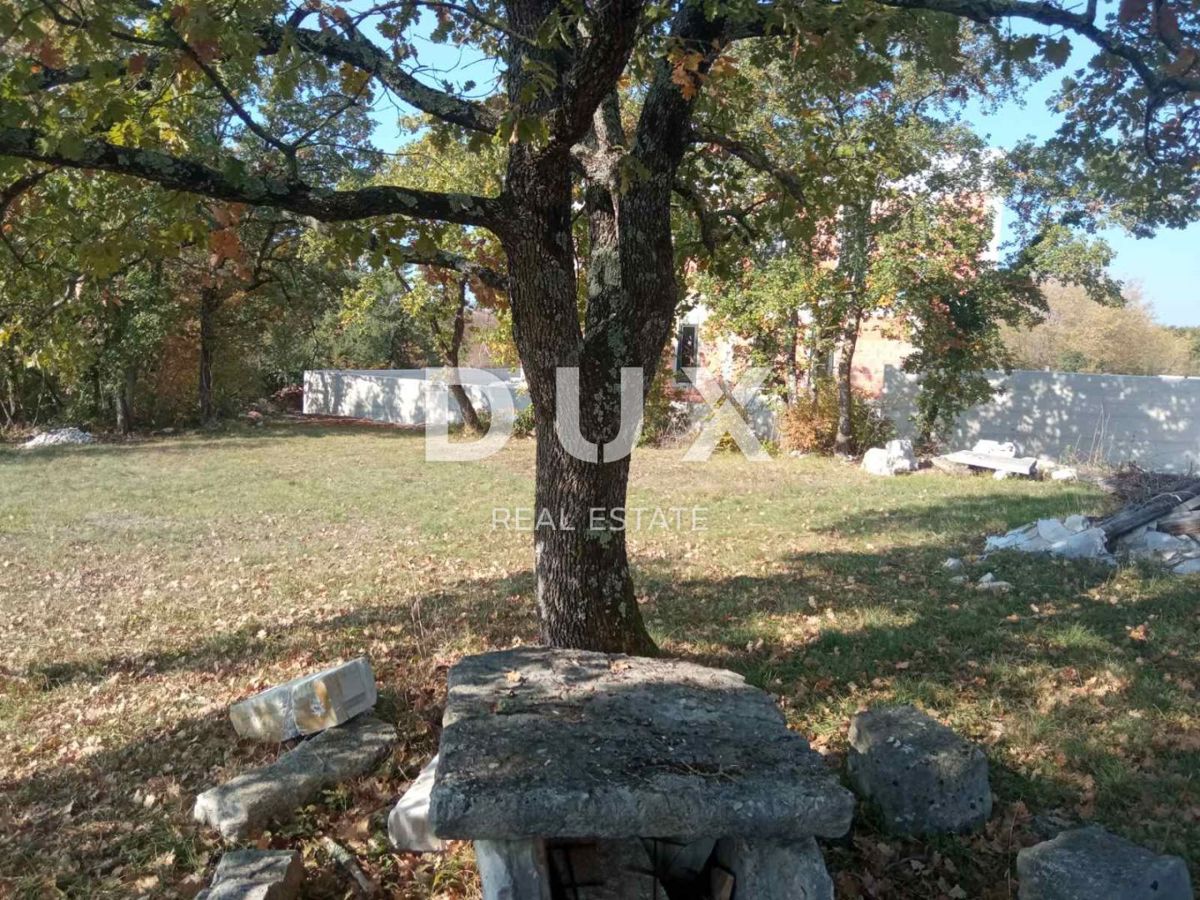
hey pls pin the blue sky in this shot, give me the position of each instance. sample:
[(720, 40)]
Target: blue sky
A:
[(1166, 266)]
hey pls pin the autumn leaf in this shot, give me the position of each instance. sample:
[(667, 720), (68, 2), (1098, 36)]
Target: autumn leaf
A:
[(685, 72)]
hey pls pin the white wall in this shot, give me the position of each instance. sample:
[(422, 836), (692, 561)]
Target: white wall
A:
[(396, 396), (1151, 420)]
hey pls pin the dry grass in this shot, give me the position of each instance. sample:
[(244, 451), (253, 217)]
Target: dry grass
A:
[(144, 588)]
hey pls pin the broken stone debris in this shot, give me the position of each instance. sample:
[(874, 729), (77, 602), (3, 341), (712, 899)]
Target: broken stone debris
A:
[(894, 458), (256, 875), (307, 704), (274, 792), (1094, 864), (408, 822), (59, 437), (1126, 535), (923, 778)]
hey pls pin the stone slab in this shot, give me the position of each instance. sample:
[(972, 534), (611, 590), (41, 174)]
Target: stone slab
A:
[(307, 704), (272, 793), (256, 875), (923, 777), (775, 870), (408, 822), (571, 744), (1093, 864)]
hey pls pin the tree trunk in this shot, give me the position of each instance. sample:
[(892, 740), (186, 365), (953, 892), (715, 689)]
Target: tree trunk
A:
[(209, 304), (462, 398), (124, 401), (843, 442), (853, 261)]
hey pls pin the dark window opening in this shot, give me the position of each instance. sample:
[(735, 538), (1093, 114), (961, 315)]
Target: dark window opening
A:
[(687, 354)]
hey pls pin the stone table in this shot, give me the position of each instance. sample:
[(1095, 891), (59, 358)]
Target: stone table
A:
[(569, 746)]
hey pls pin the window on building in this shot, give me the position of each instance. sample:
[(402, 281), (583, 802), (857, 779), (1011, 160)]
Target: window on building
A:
[(687, 352)]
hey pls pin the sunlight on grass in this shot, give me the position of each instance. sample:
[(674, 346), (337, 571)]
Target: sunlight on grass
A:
[(145, 587)]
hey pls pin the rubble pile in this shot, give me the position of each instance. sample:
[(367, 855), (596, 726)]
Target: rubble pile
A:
[(1164, 529), (58, 438)]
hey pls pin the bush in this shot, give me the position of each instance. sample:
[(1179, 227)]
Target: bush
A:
[(523, 423), (811, 425)]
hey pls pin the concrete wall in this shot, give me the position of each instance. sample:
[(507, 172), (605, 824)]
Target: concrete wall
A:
[(396, 396), (1151, 420)]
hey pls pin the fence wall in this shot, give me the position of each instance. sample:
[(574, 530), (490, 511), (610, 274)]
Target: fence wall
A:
[(1151, 420), (396, 396)]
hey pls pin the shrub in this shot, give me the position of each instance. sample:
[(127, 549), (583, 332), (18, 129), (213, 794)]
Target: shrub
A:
[(523, 423), (810, 426)]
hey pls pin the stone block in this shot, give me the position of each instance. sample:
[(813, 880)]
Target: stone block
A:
[(256, 875), (408, 822), (1064, 474), (567, 743), (1187, 567), (513, 870), (604, 870), (996, 448), (1094, 864), (775, 870), (875, 462), (923, 778), (677, 860), (274, 792), (1089, 544), (307, 704)]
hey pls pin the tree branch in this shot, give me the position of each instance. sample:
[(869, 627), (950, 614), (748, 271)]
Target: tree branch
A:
[(189, 175), (753, 157), (443, 259), (360, 53)]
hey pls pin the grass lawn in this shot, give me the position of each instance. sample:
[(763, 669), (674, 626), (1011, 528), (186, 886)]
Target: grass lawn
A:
[(145, 587)]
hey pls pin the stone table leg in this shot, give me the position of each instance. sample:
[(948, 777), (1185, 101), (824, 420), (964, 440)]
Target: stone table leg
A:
[(513, 870)]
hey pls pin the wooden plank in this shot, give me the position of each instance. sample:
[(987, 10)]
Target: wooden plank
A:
[(1180, 523), (1156, 508), (1021, 465)]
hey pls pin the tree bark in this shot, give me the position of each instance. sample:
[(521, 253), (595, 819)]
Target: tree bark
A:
[(123, 400), (853, 260), (843, 442), (462, 398), (209, 304)]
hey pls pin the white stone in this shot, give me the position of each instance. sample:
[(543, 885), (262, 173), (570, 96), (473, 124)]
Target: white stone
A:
[(1076, 523), (1188, 567), (953, 564), (256, 875), (875, 461), (274, 792), (1013, 539), (408, 822), (1090, 544), (1001, 475), (996, 587), (307, 704), (513, 870), (1064, 474), (59, 437), (1053, 530), (987, 579), (895, 458), (901, 457), (996, 448)]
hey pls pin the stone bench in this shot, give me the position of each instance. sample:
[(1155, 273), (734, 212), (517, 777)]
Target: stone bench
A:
[(552, 759)]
